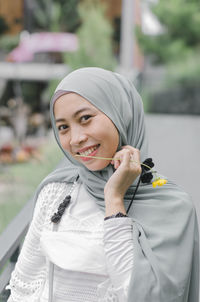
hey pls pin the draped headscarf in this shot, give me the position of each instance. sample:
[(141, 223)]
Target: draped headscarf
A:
[(116, 97), (165, 229)]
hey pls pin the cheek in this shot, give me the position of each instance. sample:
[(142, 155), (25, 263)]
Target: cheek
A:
[(114, 142), (111, 134), (64, 142), (110, 138)]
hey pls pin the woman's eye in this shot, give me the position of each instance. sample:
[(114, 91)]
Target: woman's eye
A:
[(62, 127), (86, 117)]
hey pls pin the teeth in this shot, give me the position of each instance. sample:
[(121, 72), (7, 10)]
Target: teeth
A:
[(88, 151)]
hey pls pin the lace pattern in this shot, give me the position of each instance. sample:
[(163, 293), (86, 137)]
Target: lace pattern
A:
[(28, 280), (30, 271), (107, 293)]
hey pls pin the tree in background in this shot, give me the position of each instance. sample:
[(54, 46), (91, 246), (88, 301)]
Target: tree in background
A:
[(57, 15), (86, 19), (69, 18), (181, 21), (95, 42), (95, 38), (179, 45), (178, 50)]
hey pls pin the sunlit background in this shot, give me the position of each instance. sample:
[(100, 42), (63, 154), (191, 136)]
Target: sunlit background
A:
[(154, 43)]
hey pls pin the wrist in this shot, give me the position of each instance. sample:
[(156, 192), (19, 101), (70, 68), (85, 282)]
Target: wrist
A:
[(118, 215), (113, 196), (113, 206), (114, 200)]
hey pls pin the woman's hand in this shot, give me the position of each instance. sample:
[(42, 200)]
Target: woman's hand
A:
[(128, 168)]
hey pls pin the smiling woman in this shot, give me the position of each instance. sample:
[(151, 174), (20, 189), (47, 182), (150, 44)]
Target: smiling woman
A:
[(99, 227), (85, 130)]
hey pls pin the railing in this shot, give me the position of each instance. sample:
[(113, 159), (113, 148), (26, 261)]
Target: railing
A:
[(10, 241), (32, 71)]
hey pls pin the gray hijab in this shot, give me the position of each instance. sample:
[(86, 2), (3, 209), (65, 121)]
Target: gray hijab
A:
[(118, 99), (165, 229)]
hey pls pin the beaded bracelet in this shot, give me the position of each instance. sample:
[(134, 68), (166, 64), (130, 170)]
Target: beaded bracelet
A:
[(119, 214)]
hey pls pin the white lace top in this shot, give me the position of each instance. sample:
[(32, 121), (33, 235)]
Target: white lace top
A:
[(93, 258)]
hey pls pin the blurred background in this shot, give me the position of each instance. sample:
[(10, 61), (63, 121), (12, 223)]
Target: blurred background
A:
[(155, 43)]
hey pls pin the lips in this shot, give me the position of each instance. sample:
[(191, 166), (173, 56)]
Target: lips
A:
[(91, 151)]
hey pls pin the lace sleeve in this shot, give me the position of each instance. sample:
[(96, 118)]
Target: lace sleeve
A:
[(29, 274)]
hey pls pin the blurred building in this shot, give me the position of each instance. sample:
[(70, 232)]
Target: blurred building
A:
[(12, 12), (114, 13)]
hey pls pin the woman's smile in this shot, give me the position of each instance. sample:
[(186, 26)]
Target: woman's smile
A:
[(88, 151), (84, 130)]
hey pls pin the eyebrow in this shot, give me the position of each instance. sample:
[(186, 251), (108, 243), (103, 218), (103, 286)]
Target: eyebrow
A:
[(74, 115)]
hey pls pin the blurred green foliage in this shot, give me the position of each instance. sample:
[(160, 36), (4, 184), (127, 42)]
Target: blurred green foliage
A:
[(8, 42), (185, 72), (178, 50), (95, 38), (95, 42), (45, 17), (69, 17), (57, 15), (181, 23), (22, 179)]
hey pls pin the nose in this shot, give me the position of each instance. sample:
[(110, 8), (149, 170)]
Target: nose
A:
[(77, 137)]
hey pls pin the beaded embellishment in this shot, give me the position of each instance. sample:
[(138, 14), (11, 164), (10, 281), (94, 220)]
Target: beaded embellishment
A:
[(63, 205)]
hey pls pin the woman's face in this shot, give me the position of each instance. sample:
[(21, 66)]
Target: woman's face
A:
[(84, 130)]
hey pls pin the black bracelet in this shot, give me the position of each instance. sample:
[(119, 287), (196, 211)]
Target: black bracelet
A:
[(119, 214)]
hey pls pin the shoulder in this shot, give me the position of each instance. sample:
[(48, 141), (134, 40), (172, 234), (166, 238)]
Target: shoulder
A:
[(53, 188), (176, 206), (179, 196), (168, 204), (50, 193), (46, 200)]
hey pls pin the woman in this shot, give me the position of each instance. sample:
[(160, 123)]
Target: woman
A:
[(100, 231)]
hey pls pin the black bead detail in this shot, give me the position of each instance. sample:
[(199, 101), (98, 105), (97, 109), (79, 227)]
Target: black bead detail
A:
[(147, 177), (61, 209), (56, 217), (67, 198), (149, 163), (119, 214)]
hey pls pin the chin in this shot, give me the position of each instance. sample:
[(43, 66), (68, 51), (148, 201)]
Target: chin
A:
[(96, 167)]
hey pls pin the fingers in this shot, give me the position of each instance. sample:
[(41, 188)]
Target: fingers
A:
[(135, 162), (128, 157), (128, 168)]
